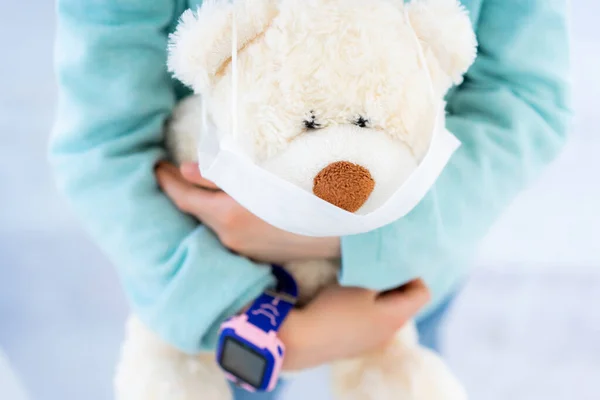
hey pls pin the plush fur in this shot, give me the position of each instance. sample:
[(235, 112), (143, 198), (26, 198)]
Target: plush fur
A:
[(320, 81)]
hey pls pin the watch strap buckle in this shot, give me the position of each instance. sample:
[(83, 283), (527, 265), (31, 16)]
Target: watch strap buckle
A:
[(281, 296)]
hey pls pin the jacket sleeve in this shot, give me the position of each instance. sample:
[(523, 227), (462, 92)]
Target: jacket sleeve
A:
[(511, 115), (114, 96)]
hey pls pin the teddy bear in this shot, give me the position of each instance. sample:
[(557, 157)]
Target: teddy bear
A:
[(339, 98)]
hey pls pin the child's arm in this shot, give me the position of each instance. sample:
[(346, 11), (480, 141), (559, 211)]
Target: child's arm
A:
[(114, 96), (512, 115)]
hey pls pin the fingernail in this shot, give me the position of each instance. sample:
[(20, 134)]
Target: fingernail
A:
[(189, 168)]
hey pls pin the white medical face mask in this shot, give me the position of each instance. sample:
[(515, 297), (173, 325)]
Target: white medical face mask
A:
[(294, 209)]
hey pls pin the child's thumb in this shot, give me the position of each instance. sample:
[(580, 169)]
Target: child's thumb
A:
[(403, 303)]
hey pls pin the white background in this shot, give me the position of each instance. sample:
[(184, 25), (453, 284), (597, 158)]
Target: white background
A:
[(527, 325)]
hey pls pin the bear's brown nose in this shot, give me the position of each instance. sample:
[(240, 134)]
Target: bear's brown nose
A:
[(344, 184)]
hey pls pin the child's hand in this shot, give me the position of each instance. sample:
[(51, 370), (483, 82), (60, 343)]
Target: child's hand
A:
[(237, 228), (346, 322)]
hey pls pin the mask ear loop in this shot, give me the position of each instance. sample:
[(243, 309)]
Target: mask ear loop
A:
[(204, 115), (234, 77), (440, 113), (423, 62), (420, 54), (234, 85)]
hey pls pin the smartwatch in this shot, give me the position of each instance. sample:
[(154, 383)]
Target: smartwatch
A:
[(248, 349)]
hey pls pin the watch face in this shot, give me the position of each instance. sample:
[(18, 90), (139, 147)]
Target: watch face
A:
[(243, 362)]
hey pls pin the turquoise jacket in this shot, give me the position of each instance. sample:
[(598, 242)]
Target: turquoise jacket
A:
[(511, 114)]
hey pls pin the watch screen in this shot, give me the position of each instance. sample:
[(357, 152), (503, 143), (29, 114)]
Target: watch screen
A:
[(243, 362)]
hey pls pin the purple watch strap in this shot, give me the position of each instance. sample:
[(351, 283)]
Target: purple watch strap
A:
[(270, 309)]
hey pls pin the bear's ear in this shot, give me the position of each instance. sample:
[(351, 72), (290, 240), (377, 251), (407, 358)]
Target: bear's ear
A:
[(201, 45), (446, 31)]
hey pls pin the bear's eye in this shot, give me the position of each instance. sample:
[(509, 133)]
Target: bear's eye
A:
[(310, 122), (361, 121)]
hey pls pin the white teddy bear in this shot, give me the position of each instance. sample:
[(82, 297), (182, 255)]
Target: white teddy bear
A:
[(335, 98)]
